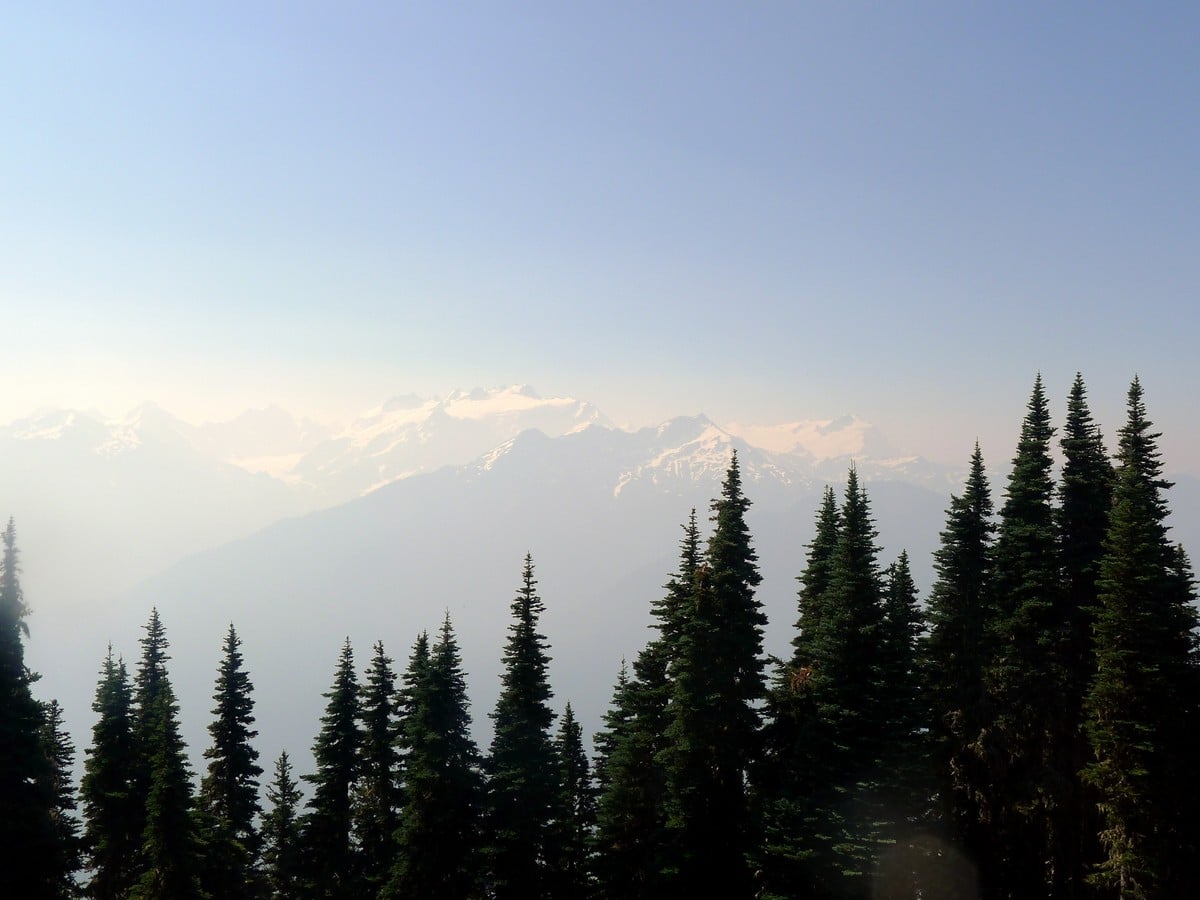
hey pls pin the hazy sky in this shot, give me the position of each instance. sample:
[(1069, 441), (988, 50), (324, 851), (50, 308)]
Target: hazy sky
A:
[(764, 211)]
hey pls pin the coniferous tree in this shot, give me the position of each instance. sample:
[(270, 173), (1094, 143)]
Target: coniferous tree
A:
[(851, 734), (575, 812), (630, 769), (111, 830), (229, 791), (521, 765), (378, 794), (330, 856), (1141, 706), (714, 729), (60, 751), (167, 865), (281, 834), (954, 656), (903, 763), (1028, 672), (797, 833), (438, 836), (1085, 497), (29, 845)]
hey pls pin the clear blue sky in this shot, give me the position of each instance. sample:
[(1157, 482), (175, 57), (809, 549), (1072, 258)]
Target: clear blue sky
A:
[(765, 211)]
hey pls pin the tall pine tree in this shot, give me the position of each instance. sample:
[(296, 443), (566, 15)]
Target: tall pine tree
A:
[(1141, 706), (229, 790), (1029, 668), (378, 794), (111, 821), (281, 834), (718, 675), (331, 858), (522, 781), (1085, 497), (29, 841), (955, 656), (438, 852), (167, 867)]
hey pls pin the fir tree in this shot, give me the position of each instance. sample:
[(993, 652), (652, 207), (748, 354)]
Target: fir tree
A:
[(331, 861), (714, 730), (1142, 702), (575, 813), (60, 751), (438, 837), (955, 655), (521, 765), (229, 790), (281, 833), (851, 734), (167, 860), (379, 791), (30, 850), (111, 830), (1085, 497), (814, 581), (630, 769), (796, 833), (1028, 672)]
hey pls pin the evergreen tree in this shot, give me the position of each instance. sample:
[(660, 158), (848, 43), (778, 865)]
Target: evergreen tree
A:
[(903, 762), (630, 769), (1028, 672), (796, 833), (379, 792), (955, 655), (575, 814), (851, 735), (167, 860), (111, 831), (1085, 497), (521, 764), (30, 849), (331, 863), (1141, 706), (60, 751), (814, 581), (714, 729), (229, 791), (438, 838), (281, 833)]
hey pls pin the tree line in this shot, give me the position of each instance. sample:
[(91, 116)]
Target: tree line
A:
[(1028, 731)]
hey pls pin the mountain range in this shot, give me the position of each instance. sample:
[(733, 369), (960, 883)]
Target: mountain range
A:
[(302, 535)]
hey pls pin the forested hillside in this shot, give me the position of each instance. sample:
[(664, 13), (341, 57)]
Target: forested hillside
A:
[(1029, 729)]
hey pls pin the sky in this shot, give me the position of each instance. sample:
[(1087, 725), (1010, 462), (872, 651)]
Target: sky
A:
[(765, 212)]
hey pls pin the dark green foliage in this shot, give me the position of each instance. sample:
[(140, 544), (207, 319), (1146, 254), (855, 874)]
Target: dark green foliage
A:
[(167, 866), (331, 864), (281, 834), (30, 851), (1085, 497), (229, 790), (850, 703), (60, 751), (521, 763), (1142, 700), (955, 655), (378, 794), (814, 581), (717, 670), (575, 812), (438, 838), (630, 770), (110, 810), (1028, 673)]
